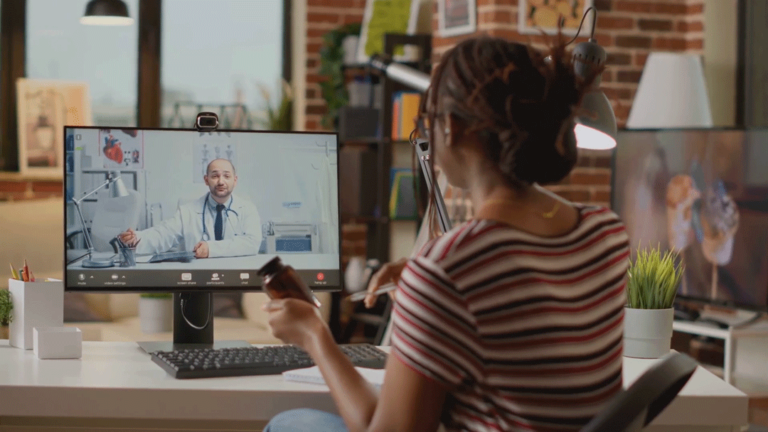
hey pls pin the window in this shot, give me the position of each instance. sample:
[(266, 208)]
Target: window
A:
[(60, 48), (213, 56)]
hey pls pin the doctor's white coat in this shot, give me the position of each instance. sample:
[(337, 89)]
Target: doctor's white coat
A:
[(242, 230)]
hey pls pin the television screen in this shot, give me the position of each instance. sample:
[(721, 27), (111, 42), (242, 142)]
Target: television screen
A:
[(182, 210), (703, 193)]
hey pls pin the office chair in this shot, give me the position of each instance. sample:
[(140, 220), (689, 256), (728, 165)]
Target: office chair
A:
[(111, 217), (647, 397)]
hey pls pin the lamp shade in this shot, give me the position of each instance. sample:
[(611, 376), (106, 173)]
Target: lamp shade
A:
[(672, 94), (117, 186), (596, 126), (106, 13), (596, 123)]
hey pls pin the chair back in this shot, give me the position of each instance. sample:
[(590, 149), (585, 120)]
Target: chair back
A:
[(646, 398), (113, 216)]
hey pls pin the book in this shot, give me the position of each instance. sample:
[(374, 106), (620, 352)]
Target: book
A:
[(312, 375), (409, 110)]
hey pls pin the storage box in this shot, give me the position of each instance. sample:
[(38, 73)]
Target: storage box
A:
[(58, 342), (35, 304)]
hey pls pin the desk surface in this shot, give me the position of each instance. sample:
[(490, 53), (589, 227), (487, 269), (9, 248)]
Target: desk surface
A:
[(118, 380)]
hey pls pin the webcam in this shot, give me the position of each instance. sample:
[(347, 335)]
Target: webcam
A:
[(206, 122)]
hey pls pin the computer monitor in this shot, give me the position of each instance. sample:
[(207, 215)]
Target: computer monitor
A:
[(205, 210), (705, 194)]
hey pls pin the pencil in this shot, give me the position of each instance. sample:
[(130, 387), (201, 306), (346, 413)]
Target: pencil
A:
[(363, 294), (14, 273)]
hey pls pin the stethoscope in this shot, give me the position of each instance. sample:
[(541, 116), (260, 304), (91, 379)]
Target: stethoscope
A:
[(207, 237)]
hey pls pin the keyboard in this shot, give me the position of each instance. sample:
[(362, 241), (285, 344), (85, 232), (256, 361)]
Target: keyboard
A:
[(172, 256), (226, 362)]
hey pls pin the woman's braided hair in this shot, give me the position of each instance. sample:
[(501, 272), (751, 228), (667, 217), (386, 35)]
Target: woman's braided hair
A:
[(520, 101)]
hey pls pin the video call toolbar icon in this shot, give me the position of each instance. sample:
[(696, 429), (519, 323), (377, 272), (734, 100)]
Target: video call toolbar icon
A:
[(186, 276)]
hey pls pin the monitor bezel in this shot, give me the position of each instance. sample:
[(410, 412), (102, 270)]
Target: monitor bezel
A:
[(679, 297), (223, 289)]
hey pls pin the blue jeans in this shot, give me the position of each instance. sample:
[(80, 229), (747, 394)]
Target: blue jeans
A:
[(306, 420)]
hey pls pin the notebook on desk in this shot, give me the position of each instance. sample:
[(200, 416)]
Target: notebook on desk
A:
[(313, 375)]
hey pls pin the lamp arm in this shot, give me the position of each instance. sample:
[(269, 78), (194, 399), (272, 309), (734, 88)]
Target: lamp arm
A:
[(401, 73), (86, 235), (77, 202), (106, 182)]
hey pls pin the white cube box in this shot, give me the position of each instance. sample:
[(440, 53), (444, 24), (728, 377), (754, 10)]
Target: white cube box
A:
[(58, 342), (35, 304)]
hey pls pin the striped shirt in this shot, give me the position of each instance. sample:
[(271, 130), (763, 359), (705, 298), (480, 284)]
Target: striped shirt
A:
[(523, 331)]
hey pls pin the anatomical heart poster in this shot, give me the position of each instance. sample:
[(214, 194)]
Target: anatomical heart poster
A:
[(121, 149)]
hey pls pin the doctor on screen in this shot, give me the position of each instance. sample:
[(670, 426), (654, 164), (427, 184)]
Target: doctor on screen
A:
[(216, 225)]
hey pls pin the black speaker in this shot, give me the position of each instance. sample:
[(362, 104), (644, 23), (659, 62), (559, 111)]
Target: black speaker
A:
[(358, 123)]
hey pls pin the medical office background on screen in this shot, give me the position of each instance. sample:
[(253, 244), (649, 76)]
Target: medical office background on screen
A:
[(291, 179)]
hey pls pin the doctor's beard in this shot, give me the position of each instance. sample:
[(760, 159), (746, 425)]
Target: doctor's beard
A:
[(221, 194)]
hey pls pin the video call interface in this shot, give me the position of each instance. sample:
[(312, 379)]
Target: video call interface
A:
[(198, 210), (703, 194)]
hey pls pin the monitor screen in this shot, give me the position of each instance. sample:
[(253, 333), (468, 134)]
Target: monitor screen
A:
[(182, 210), (705, 194)]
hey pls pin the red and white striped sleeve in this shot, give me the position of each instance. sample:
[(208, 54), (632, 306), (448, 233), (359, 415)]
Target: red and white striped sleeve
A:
[(433, 331)]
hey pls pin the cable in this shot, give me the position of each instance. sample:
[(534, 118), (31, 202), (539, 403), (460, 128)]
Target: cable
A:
[(208, 320), (594, 22)]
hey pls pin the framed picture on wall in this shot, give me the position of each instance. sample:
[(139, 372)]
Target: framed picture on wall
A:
[(456, 17), (44, 108), (392, 16), (535, 16)]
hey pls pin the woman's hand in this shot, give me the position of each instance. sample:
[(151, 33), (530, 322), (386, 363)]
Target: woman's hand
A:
[(295, 321), (388, 273)]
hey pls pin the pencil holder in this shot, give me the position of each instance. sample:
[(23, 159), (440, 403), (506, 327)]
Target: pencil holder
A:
[(35, 304)]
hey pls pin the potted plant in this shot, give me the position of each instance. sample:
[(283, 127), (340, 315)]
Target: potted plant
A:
[(6, 309), (653, 279), (156, 312), (279, 116)]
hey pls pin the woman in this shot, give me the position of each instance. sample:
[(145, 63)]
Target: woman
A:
[(513, 320)]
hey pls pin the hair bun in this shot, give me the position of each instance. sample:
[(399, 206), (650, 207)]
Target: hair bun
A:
[(549, 156), (542, 155)]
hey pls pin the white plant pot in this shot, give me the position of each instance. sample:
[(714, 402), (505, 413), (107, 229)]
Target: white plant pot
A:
[(156, 315), (647, 332)]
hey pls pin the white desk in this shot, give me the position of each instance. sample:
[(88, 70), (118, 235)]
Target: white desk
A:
[(116, 384)]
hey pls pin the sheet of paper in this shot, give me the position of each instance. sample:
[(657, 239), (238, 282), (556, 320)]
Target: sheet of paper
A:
[(313, 375)]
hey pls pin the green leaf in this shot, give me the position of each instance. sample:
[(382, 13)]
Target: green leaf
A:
[(653, 279), (6, 307)]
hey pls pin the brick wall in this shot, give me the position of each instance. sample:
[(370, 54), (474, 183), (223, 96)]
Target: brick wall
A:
[(323, 16), (629, 30)]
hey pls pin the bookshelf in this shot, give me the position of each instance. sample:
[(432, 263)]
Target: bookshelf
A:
[(379, 225)]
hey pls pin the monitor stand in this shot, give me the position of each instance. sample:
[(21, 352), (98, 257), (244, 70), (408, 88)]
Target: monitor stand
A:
[(192, 325)]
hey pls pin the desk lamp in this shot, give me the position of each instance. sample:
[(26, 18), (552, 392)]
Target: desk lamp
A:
[(596, 124), (117, 190), (106, 13), (672, 94)]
